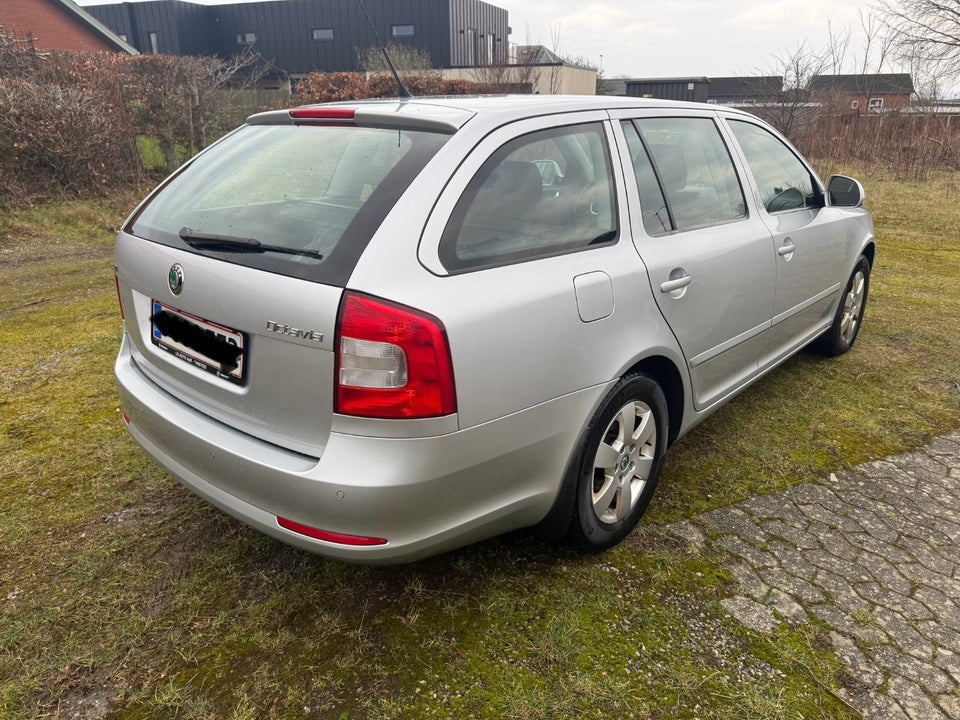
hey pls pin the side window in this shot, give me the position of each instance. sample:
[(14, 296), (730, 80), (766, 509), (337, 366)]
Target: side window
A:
[(656, 217), (785, 183), (695, 171), (545, 193)]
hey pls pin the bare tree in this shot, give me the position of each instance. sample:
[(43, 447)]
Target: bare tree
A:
[(504, 75), (184, 99), (797, 67), (925, 30), (408, 60)]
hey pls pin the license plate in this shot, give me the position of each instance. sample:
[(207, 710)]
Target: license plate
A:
[(205, 345)]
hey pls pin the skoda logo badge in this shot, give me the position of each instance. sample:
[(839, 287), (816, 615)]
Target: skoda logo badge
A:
[(175, 278)]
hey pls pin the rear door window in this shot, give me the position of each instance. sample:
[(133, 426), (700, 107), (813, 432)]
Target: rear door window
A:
[(695, 171), (308, 199), (545, 193)]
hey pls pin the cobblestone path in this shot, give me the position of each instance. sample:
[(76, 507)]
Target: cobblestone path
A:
[(875, 554)]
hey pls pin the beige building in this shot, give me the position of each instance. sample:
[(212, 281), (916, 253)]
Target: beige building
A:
[(535, 69)]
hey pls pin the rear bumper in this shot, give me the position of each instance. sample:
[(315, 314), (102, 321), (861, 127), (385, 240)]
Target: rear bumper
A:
[(423, 495)]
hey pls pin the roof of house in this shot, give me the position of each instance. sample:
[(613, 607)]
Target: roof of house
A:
[(667, 80), (756, 85), (98, 27), (868, 84), (537, 55), (58, 25)]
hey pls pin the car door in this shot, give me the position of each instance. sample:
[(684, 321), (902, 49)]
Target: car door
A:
[(707, 255), (808, 248)]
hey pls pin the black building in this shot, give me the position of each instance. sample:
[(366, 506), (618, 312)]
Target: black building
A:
[(745, 90), (303, 36), (693, 89)]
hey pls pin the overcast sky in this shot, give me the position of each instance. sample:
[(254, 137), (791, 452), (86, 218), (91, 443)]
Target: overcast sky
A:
[(664, 38), (670, 38)]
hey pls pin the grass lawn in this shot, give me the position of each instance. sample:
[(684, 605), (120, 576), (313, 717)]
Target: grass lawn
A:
[(124, 596)]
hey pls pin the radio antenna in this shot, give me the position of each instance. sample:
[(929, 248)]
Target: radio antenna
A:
[(401, 88)]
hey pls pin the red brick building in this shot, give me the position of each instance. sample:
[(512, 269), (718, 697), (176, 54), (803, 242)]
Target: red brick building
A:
[(57, 25), (867, 93)]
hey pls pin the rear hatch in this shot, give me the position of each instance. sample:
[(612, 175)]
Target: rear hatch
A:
[(231, 273)]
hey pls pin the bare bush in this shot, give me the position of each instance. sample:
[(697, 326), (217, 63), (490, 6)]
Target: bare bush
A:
[(407, 60), (334, 87)]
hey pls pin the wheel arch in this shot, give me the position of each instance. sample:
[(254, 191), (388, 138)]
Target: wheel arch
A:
[(665, 373)]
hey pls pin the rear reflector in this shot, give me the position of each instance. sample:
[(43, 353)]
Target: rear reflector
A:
[(393, 362), (327, 536), (323, 113)]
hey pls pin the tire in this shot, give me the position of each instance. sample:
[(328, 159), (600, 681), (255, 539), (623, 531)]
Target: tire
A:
[(619, 463), (846, 323)]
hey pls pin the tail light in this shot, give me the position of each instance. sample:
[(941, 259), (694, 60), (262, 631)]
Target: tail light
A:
[(392, 361)]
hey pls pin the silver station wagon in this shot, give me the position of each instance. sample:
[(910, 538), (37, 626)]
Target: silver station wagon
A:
[(384, 329)]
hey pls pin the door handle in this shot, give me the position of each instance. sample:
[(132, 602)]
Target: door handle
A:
[(787, 249), (675, 284)]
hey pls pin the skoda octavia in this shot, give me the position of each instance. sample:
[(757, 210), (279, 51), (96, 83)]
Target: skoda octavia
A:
[(380, 330)]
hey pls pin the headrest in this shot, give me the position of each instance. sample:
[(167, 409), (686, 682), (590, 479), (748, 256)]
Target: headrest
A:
[(672, 163)]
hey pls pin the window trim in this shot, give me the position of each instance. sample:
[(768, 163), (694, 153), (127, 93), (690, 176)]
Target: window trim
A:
[(314, 34), (397, 32), (875, 104)]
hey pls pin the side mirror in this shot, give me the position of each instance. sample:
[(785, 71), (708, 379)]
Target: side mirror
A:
[(843, 191)]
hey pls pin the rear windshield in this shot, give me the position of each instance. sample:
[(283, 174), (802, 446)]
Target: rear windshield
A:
[(302, 201)]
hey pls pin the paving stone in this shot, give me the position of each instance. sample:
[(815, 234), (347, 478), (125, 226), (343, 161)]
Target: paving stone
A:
[(950, 704), (828, 561), (938, 602), (736, 521), (873, 524), (858, 665), (810, 494), (903, 634), (868, 634), (949, 662), (939, 635), (840, 546), (751, 614), (887, 573), (874, 706), (914, 701), (795, 536), (930, 677), (788, 608), (833, 520), (766, 506), (799, 588), (840, 591), (928, 556), (749, 582), (751, 555), (944, 446)]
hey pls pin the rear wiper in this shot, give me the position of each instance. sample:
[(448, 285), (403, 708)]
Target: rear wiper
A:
[(233, 243)]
